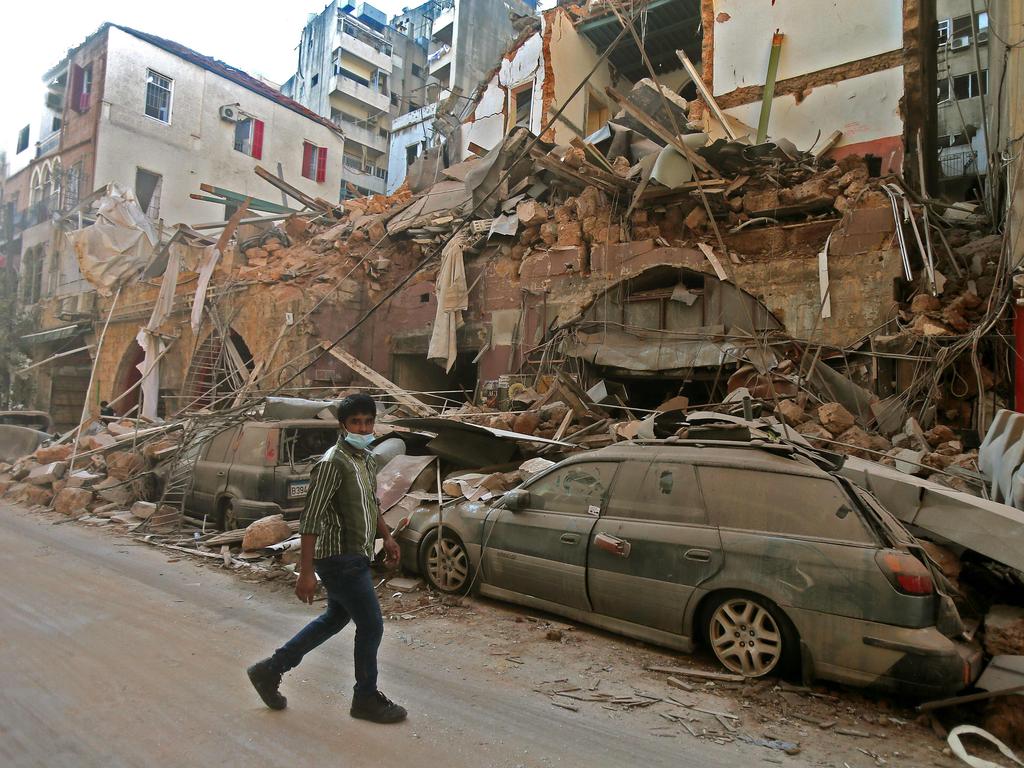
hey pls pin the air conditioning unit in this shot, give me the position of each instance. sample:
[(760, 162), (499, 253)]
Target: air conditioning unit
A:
[(231, 113), (982, 36), (959, 43)]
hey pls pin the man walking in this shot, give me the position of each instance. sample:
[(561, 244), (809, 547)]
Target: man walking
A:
[(338, 527)]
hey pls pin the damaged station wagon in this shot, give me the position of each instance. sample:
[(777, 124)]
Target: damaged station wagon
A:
[(257, 468), (755, 550)]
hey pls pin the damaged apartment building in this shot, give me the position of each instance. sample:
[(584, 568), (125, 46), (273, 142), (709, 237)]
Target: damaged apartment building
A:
[(684, 199)]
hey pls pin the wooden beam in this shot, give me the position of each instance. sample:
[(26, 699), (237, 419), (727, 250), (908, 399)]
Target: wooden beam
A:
[(706, 95), (287, 188), (51, 358), (404, 398)]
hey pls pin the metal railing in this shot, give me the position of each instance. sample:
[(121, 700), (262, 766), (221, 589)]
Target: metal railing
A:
[(955, 165)]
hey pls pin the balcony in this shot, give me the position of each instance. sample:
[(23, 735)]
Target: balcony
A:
[(346, 86), (362, 46), (368, 136), (442, 29), (361, 178), (48, 145), (955, 165), (438, 60)]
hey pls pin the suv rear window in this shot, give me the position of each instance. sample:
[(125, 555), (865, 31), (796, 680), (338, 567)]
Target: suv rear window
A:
[(301, 445), (772, 502)]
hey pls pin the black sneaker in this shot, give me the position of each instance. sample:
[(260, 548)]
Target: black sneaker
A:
[(265, 679), (377, 708)]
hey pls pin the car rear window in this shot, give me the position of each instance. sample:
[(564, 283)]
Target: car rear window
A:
[(301, 445), (659, 492), (777, 503), (576, 489)]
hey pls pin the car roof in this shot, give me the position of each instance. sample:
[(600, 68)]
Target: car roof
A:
[(753, 455)]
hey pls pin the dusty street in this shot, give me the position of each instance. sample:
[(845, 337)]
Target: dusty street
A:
[(113, 656)]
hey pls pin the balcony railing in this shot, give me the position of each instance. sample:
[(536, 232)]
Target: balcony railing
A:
[(956, 164), (363, 93), (48, 145)]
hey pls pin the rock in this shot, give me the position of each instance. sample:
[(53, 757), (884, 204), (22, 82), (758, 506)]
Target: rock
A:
[(880, 444), (48, 455), (946, 559), (93, 442), (855, 440), (159, 449), (902, 440), (73, 501), (554, 635), (83, 478), (939, 434), (925, 326), (124, 464), (1004, 630), (917, 437), (5, 486), (531, 213), (790, 412), (37, 494), (526, 423), (924, 302), (266, 531), (21, 469), (908, 461), (114, 491), (107, 510), (45, 474), (696, 219), (952, 448), (937, 460), (1004, 719), (835, 418), (813, 431), (404, 584), (143, 509)]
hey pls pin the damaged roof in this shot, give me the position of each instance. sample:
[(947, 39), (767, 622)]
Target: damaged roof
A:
[(664, 26)]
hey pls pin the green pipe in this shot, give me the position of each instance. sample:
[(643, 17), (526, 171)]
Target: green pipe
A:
[(769, 87)]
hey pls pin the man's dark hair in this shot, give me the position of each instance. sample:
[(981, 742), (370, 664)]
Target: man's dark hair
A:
[(356, 405), (104, 403)]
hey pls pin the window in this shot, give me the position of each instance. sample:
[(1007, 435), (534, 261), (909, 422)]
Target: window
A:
[(781, 504), (81, 87), (73, 186), (943, 91), (249, 137), (299, 446), (382, 132), (395, 101), (352, 161), (158, 96), (662, 492), (966, 86), (32, 276), (219, 445), (314, 161), (22, 140), (597, 113), (943, 29), (55, 124), (314, 80), (348, 74), (577, 489), (147, 191), (417, 70), (522, 104), (410, 153)]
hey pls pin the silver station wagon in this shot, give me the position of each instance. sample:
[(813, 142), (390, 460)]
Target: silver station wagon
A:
[(753, 549)]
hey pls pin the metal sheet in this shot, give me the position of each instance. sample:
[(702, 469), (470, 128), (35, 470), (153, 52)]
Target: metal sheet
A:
[(398, 477), (650, 352), (439, 426)]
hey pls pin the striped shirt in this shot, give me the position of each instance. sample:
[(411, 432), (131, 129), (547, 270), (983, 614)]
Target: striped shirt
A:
[(341, 507)]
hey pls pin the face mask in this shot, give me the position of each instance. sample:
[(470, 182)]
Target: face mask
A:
[(358, 441)]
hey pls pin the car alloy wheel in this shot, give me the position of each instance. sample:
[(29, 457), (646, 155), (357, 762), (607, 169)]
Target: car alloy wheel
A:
[(745, 637), (446, 565)]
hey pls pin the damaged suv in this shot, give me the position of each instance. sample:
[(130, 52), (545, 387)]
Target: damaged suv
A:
[(753, 549)]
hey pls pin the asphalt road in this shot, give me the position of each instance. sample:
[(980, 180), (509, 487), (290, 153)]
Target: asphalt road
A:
[(112, 656)]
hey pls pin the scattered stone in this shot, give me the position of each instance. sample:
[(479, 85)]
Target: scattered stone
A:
[(946, 559), (72, 501), (107, 510), (37, 494), (48, 455), (555, 635), (908, 461), (813, 431), (124, 464), (791, 413), (265, 532), (404, 584), (924, 302), (143, 510), (939, 434), (115, 491), (856, 440), (526, 423), (82, 478), (45, 474), (835, 418), (1004, 630)]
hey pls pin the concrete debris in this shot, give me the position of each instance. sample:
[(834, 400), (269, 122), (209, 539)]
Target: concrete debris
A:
[(264, 532), (1004, 630)]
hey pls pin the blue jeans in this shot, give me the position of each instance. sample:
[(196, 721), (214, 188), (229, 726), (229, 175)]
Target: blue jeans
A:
[(350, 595)]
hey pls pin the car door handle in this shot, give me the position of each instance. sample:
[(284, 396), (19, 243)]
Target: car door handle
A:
[(616, 546), (569, 538), (698, 555), (220, 474)]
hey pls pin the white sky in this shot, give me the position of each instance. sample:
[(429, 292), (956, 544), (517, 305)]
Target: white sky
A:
[(259, 36)]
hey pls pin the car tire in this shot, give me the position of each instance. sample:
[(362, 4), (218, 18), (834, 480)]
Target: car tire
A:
[(228, 516), (749, 635), (449, 570)]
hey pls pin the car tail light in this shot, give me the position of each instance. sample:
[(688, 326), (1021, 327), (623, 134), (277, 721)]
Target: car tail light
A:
[(270, 451), (905, 572)]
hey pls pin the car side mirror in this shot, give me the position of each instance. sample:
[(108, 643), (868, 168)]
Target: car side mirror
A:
[(517, 499)]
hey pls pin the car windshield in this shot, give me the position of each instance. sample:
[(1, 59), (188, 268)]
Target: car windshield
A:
[(301, 445)]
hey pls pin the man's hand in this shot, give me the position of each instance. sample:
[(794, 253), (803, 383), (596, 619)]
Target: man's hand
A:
[(392, 552), (305, 587)]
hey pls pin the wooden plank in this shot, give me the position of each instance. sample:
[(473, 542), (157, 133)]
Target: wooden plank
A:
[(955, 700), (255, 203), (706, 95), (287, 188), (415, 405), (726, 677), (660, 131)]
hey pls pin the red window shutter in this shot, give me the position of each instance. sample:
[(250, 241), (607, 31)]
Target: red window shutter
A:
[(257, 139), (77, 82), (307, 159), (83, 102), (321, 165)]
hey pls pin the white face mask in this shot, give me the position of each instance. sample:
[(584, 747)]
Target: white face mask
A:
[(358, 441)]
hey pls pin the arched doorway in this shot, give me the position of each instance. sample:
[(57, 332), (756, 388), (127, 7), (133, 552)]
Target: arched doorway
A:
[(216, 370), (128, 375)]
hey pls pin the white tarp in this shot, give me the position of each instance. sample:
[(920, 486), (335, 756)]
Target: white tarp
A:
[(118, 246), (152, 345), (206, 266)]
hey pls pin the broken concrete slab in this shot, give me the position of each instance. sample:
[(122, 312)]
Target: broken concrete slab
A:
[(143, 510), (1004, 630), (909, 461), (82, 478), (72, 501), (115, 491), (404, 584), (835, 418), (266, 531), (46, 474)]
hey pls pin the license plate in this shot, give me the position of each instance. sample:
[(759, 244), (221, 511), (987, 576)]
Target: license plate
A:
[(298, 490)]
